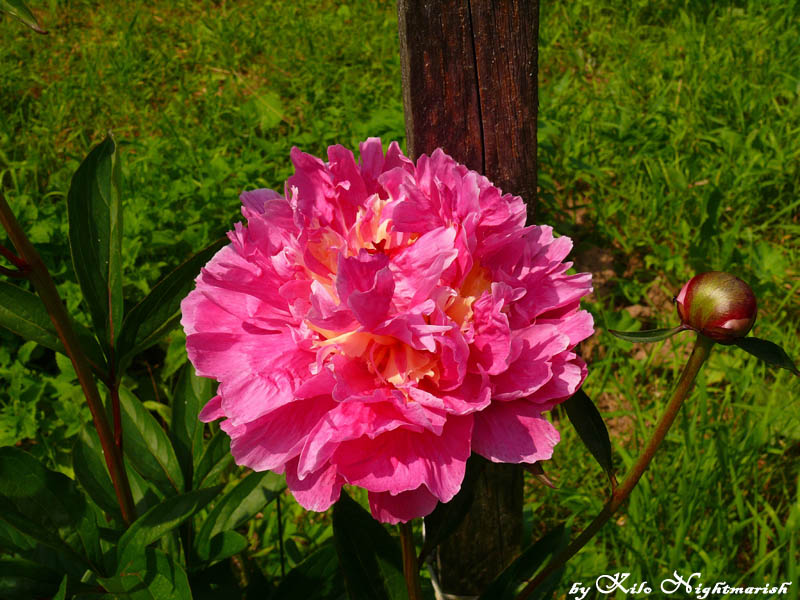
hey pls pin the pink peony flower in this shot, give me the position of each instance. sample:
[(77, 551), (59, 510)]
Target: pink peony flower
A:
[(382, 321)]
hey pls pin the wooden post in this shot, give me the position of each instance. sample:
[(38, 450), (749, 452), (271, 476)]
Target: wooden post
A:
[(469, 72)]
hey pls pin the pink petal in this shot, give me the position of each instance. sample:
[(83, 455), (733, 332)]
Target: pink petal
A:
[(513, 432), (401, 460), (346, 421), (212, 410), (316, 491), (402, 507), (269, 442), (315, 190), (418, 268), (366, 284), (492, 343), (257, 200), (569, 371)]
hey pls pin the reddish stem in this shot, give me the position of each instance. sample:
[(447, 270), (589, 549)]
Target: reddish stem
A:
[(13, 258), (114, 389), (43, 283), (700, 352), (410, 566)]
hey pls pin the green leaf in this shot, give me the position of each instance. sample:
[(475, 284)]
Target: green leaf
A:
[(370, 559), (316, 578), (154, 575), (225, 544), (770, 353), (651, 335), (240, 504), (61, 594), (145, 494), (24, 314), (147, 446), (159, 312), (190, 395), (19, 10), (159, 520), (25, 580), (504, 587), (89, 465), (47, 506), (94, 212), (446, 517), (11, 539), (586, 420), (15, 524), (214, 459)]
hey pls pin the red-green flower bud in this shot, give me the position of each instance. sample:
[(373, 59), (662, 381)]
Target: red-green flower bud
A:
[(718, 305)]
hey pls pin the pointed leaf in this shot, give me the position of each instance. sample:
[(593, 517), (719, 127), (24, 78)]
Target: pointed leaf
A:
[(651, 335), (145, 494), (225, 544), (152, 576), (769, 352), (61, 594), (158, 521), (186, 430), (214, 459), (316, 578), (240, 504), (587, 421), (95, 237), (370, 559), (25, 580), (19, 10), (148, 447), (159, 312), (446, 518), (13, 540), (47, 506), (91, 471), (24, 314), (504, 587), (17, 526)]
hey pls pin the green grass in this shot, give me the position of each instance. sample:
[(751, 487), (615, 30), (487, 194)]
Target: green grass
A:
[(668, 145)]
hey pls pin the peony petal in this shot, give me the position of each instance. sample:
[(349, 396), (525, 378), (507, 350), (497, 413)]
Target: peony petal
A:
[(401, 459), (212, 410), (418, 268), (256, 200), (316, 491), (366, 285), (513, 432), (270, 441), (402, 507)]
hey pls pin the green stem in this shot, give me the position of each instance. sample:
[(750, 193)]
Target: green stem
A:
[(410, 567), (700, 352), (43, 283)]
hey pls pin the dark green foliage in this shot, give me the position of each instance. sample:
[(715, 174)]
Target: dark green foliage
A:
[(589, 424), (526, 565), (369, 558), (94, 208)]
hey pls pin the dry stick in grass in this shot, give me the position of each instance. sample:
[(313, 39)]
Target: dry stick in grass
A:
[(700, 352), (43, 283)]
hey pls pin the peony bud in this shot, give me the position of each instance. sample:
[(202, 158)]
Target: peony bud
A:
[(718, 305)]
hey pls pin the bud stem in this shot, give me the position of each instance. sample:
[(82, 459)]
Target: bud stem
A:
[(700, 352)]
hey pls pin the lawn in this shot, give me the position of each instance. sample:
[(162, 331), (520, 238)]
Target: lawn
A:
[(669, 144)]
